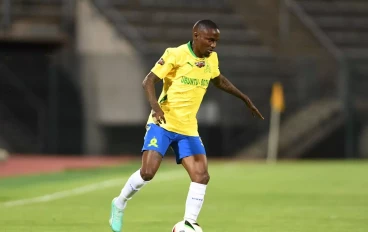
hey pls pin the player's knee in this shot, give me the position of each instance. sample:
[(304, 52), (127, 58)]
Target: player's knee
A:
[(201, 178), (206, 178), (147, 174)]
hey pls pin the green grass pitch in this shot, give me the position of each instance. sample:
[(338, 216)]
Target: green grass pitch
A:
[(246, 197)]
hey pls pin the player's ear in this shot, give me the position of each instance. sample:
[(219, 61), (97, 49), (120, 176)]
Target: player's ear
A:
[(195, 34)]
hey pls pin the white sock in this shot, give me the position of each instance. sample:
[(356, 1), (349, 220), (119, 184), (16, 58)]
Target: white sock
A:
[(194, 201), (133, 185)]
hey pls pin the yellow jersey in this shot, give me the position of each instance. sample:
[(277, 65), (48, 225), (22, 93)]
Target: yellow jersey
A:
[(185, 80)]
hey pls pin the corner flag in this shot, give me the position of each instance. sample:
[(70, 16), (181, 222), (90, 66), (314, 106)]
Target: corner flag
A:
[(277, 97), (277, 106)]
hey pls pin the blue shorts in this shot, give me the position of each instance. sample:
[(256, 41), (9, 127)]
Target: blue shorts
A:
[(158, 139)]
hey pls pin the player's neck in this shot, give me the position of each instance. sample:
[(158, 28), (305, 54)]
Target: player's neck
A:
[(195, 51)]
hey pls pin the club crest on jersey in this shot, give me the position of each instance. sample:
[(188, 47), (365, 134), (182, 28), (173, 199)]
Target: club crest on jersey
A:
[(161, 61), (200, 64)]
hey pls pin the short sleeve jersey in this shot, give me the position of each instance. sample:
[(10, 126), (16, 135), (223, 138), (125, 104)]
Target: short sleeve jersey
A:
[(185, 81)]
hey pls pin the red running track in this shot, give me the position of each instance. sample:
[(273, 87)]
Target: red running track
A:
[(17, 165)]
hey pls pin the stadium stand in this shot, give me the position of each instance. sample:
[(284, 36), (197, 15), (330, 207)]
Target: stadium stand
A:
[(36, 20), (33, 32), (346, 24), (40, 27)]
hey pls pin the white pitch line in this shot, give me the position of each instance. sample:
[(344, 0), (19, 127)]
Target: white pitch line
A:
[(170, 175)]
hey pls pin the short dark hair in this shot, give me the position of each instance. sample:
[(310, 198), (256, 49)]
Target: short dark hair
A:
[(205, 24)]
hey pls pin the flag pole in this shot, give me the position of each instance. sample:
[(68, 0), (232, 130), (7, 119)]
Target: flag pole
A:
[(277, 106)]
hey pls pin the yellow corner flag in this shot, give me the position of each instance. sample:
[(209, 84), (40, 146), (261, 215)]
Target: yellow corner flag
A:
[(277, 97)]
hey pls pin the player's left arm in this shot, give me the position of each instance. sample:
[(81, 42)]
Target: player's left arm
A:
[(224, 84)]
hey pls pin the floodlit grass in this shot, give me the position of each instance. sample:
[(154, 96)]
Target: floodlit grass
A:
[(249, 197)]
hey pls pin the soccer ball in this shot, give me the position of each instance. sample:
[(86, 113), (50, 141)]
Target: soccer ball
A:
[(184, 226)]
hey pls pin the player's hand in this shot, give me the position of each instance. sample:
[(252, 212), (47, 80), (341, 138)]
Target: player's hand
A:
[(253, 108), (255, 112), (158, 116)]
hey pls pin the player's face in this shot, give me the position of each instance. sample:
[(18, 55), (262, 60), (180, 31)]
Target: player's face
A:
[(207, 41)]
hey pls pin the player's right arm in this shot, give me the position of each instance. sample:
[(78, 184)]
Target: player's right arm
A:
[(162, 68), (149, 87)]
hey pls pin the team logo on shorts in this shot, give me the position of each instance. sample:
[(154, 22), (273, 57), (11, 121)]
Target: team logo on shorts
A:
[(200, 64), (161, 61), (153, 143)]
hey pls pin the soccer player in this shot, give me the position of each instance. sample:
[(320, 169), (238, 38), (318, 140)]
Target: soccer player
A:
[(186, 72)]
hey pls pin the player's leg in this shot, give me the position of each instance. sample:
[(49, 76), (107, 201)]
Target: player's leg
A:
[(151, 161), (156, 142), (192, 155), (196, 167)]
